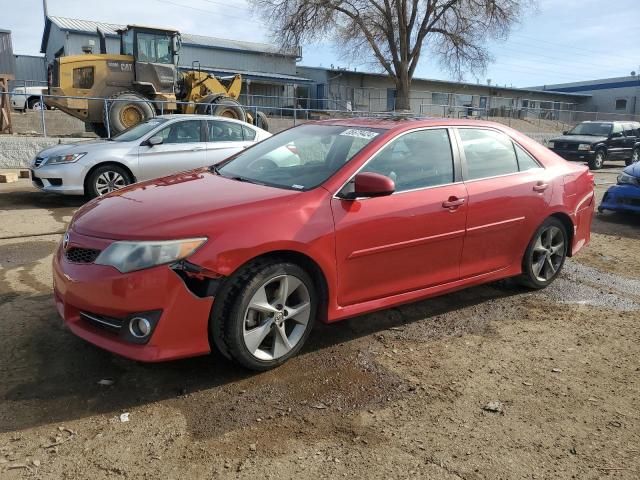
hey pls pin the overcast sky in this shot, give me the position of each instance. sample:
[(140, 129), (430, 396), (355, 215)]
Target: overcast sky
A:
[(563, 41)]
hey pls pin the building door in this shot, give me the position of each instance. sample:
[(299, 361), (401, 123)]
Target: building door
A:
[(392, 94)]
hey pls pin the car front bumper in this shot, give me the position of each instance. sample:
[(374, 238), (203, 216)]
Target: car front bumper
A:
[(65, 179), (89, 291), (575, 155), (621, 198)]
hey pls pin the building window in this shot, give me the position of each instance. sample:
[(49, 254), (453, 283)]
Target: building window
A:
[(621, 104)]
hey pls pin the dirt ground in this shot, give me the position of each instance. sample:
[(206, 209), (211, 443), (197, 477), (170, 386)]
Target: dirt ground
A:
[(494, 382)]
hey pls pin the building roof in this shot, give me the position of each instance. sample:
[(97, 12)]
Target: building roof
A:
[(111, 29), (335, 71), (591, 85)]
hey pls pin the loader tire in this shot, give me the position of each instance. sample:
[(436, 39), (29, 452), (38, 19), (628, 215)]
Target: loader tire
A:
[(262, 121), (222, 107), (126, 110)]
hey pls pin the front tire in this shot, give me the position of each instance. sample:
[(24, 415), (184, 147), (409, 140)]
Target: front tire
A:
[(106, 179), (269, 313), (597, 161), (127, 110), (545, 255)]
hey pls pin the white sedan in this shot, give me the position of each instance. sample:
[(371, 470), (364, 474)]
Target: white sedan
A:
[(160, 146)]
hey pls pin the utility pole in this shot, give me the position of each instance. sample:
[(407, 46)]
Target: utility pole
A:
[(45, 10)]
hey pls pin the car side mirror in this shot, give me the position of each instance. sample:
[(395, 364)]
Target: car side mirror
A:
[(565, 132), (155, 140), (369, 184)]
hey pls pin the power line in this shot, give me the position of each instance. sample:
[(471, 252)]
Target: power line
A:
[(211, 12)]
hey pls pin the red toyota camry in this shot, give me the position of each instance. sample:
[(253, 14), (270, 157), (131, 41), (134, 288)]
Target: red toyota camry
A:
[(322, 222)]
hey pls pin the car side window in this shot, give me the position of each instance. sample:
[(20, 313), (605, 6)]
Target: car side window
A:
[(181, 132), (488, 153), (248, 133), (629, 130), (416, 160), (525, 161), (220, 131), (616, 131)]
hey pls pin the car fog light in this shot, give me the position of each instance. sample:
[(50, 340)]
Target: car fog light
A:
[(139, 327)]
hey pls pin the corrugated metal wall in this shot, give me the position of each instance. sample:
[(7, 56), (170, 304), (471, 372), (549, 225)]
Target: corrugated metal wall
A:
[(30, 70), (7, 60)]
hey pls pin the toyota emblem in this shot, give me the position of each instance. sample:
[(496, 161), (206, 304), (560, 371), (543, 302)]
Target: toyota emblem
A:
[(65, 241)]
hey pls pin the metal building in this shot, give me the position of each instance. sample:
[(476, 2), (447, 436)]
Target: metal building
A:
[(7, 59), (269, 73), (620, 95)]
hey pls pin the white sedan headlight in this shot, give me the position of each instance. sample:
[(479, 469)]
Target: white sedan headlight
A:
[(131, 256), (584, 146), (71, 158)]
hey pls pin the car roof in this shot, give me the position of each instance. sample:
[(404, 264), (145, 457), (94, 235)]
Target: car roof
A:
[(405, 122), (194, 116)]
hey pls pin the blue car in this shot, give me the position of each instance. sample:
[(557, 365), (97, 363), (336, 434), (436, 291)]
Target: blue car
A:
[(625, 196)]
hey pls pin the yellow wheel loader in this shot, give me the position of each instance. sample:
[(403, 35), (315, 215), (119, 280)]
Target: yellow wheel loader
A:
[(141, 82)]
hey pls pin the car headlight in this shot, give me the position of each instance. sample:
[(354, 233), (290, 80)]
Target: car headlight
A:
[(551, 145), (625, 178), (584, 146), (131, 256), (71, 158)]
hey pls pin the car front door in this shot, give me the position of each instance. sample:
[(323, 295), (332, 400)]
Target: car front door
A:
[(411, 239), (508, 196), (226, 139), (616, 143), (183, 148)]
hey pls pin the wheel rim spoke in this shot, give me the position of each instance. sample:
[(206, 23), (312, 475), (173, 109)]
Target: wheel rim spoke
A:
[(254, 337), (300, 313), (259, 302), (281, 344)]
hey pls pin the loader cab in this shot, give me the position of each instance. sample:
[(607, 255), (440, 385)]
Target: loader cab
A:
[(155, 53)]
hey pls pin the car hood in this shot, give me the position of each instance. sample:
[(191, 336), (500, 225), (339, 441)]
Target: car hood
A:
[(578, 139), (633, 170), (79, 147), (194, 203)]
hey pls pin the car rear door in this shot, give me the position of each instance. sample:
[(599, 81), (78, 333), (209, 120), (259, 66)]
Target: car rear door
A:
[(411, 239), (509, 193), (183, 148), (616, 145), (226, 139)]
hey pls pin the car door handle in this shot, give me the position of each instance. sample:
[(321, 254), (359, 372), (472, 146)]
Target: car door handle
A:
[(453, 202), (540, 187), (197, 149)]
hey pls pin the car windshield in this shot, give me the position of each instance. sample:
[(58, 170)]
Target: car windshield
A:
[(597, 129), (301, 158), (139, 130)]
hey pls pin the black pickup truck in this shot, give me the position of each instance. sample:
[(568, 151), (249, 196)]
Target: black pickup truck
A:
[(595, 142)]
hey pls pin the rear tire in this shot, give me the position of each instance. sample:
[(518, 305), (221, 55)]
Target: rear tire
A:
[(597, 161), (545, 255), (126, 110), (222, 107), (262, 121), (106, 179), (36, 104), (635, 157), (268, 313), (100, 129)]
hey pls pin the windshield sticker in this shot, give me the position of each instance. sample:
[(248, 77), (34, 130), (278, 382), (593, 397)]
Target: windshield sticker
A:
[(353, 132), (298, 187)]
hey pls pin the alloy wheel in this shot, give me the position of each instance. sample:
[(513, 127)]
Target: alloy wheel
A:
[(636, 156), (109, 181), (548, 253), (599, 159), (276, 318)]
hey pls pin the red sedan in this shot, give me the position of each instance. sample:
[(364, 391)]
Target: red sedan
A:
[(325, 221)]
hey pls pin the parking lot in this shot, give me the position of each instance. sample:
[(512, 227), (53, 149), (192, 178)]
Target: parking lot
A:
[(490, 382)]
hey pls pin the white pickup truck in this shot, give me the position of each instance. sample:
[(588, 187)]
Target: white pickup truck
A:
[(27, 98)]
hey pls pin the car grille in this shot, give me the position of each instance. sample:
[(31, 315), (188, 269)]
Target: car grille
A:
[(107, 323), (38, 161), (82, 255), (566, 146), (634, 202)]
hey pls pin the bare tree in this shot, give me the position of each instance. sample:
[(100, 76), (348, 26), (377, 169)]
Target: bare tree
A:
[(395, 32)]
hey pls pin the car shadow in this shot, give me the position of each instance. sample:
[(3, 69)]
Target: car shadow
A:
[(616, 224), (53, 376)]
